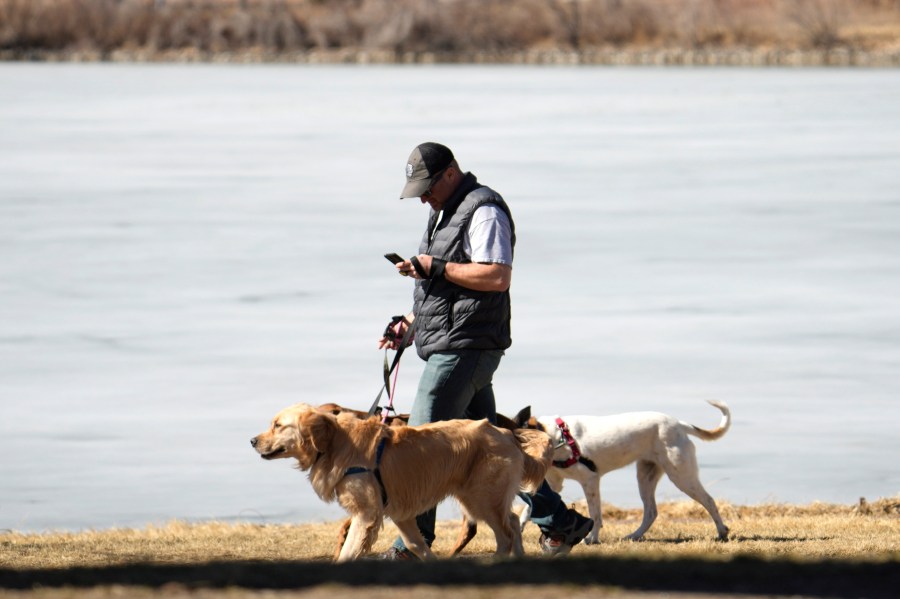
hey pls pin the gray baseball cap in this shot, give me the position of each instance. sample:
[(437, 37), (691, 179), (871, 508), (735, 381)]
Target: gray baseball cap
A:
[(426, 161)]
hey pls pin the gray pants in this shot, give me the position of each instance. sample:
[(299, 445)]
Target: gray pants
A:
[(458, 384)]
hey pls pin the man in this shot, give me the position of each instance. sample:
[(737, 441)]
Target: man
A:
[(461, 312)]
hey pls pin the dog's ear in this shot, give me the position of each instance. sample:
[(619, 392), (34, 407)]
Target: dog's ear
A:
[(521, 419), (321, 432), (317, 429), (506, 422), (330, 408)]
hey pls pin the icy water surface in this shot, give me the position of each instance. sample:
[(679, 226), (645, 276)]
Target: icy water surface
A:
[(184, 250)]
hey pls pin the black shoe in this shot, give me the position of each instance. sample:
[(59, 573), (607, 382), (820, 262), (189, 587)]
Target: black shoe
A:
[(561, 541), (398, 555)]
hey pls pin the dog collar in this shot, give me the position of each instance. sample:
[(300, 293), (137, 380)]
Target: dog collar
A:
[(576, 456)]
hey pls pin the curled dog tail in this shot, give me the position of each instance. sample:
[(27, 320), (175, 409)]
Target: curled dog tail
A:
[(719, 431), (538, 451)]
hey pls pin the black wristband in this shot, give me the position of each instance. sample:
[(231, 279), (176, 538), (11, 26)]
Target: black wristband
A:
[(420, 270), (437, 268)]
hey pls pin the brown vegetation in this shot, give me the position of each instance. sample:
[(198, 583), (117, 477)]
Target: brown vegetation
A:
[(814, 550), (869, 531), (404, 30)]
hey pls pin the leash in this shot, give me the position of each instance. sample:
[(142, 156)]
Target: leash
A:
[(576, 457), (390, 406), (404, 343)]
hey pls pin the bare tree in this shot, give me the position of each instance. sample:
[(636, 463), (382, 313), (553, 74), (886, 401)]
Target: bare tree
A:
[(820, 21), (569, 14)]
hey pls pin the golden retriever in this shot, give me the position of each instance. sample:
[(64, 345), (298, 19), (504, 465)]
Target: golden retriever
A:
[(374, 471), (468, 528)]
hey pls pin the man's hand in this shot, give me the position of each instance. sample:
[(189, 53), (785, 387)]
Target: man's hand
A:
[(473, 275), (423, 269), (394, 332), (405, 268)]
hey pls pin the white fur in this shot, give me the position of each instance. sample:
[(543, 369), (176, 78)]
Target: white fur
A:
[(657, 442)]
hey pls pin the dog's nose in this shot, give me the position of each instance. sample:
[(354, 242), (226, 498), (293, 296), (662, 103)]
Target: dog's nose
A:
[(253, 441)]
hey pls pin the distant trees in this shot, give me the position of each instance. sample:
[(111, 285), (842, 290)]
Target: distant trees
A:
[(439, 26)]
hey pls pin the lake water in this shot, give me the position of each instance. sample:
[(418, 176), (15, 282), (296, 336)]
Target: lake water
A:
[(184, 250)]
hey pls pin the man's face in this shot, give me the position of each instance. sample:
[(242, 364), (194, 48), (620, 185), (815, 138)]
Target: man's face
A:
[(439, 192)]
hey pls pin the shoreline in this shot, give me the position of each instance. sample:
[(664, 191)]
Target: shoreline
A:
[(814, 550), (652, 57), (680, 509)]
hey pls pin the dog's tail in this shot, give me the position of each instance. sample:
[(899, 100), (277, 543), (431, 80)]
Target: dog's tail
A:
[(537, 448), (719, 431)]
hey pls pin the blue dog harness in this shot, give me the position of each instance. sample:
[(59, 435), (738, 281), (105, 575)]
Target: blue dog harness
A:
[(377, 472)]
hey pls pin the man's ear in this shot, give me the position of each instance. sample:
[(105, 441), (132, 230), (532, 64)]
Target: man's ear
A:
[(521, 419)]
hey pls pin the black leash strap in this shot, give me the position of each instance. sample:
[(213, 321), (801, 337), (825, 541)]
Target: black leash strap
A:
[(388, 370), (407, 337)]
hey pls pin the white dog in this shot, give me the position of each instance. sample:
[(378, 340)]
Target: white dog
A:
[(590, 446)]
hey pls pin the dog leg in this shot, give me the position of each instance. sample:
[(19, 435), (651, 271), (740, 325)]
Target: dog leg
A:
[(648, 475), (342, 538), (700, 495), (591, 487), (497, 514), (524, 517), (467, 531), (360, 537), (412, 538), (506, 532), (684, 475), (518, 549)]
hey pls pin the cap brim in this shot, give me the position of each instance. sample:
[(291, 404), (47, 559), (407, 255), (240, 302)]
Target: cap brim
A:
[(415, 189)]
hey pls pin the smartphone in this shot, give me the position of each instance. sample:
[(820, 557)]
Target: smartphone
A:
[(396, 259)]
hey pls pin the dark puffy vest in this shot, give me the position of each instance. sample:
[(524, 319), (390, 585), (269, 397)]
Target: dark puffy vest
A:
[(450, 317)]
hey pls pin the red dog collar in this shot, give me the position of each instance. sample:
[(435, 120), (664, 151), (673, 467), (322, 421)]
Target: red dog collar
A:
[(570, 441)]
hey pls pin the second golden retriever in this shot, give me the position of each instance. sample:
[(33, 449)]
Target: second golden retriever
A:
[(374, 471), (468, 528)]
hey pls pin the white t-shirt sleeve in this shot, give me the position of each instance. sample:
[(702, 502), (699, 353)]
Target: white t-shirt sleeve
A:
[(489, 236)]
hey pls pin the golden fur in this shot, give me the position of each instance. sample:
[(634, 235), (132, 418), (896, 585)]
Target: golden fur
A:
[(334, 409), (479, 464), (468, 529)]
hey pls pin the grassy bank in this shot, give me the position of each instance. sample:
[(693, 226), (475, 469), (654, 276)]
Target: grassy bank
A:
[(812, 550), (735, 32)]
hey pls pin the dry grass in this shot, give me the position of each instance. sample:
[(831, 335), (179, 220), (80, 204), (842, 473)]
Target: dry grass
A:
[(395, 28), (813, 550), (869, 531)]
